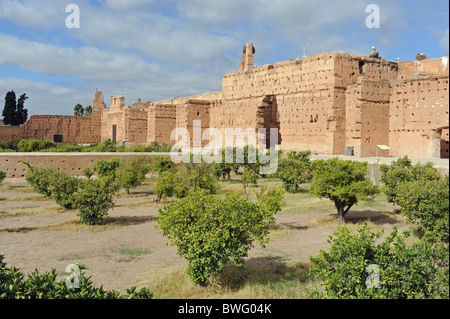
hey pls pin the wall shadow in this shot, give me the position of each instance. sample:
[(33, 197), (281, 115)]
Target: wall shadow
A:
[(376, 217)]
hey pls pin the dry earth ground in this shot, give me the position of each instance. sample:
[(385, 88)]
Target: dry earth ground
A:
[(36, 234)]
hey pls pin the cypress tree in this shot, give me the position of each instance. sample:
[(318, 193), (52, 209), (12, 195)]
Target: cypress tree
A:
[(9, 112)]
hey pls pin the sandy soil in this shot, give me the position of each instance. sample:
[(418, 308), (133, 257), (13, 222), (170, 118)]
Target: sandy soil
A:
[(26, 246)]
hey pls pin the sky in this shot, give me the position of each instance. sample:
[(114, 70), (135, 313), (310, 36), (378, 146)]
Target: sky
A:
[(154, 50)]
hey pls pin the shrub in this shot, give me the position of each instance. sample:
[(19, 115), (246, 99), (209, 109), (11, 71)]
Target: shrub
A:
[(249, 176), (162, 164), (34, 145), (53, 183), (165, 185), (401, 171), (133, 174), (356, 267), (106, 145), (94, 199), (222, 170), (14, 285), (427, 204), (62, 188), (295, 170), (189, 177), (105, 168), (41, 179), (344, 182), (209, 230)]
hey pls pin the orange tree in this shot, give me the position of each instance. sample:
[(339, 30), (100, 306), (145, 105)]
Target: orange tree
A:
[(344, 182)]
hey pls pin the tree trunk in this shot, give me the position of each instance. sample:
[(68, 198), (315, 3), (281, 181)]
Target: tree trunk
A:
[(340, 217), (342, 211)]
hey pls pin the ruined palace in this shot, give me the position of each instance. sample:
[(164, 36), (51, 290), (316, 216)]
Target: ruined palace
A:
[(331, 103)]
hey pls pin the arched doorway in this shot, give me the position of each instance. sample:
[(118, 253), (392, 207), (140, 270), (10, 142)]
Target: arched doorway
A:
[(267, 117), (444, 141)]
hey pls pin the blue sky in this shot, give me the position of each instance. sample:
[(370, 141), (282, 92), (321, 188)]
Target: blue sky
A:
[(155, 50)]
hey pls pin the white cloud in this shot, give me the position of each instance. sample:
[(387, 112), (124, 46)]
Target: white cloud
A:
[(34, 13), (125, 5), (162, 49), (444, 43)]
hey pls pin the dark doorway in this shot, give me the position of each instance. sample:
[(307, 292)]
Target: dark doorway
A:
[(444, 135), (57, 138), (114, 132), (267, 117)]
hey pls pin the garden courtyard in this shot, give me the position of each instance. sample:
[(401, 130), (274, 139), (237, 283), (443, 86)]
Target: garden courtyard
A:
[(126, 250)]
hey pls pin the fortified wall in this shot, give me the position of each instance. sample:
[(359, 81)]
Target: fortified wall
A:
[(331, 103)]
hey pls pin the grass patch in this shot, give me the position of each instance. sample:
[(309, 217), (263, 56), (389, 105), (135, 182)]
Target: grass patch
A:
[(132, 253), (29, 199), (280, 232), (26, 190), (108, 223), (260, 278), (28, 211), (144, 203), (5, 187)]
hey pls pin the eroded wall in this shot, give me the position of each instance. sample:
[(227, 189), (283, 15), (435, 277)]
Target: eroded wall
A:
[(419, 111)]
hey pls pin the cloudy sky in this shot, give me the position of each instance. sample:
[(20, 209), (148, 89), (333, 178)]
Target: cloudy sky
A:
[(161, 49)]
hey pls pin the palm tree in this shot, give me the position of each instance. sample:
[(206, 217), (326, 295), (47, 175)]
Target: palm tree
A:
[(88, 110), (78, 110)]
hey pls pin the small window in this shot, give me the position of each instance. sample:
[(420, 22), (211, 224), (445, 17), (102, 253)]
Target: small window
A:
[(361, 67), (57, 138)]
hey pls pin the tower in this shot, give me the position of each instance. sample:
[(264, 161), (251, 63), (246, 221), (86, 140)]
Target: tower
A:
[(247, 57)]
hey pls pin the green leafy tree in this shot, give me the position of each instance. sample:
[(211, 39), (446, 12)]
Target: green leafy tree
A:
[(95, 198), (344, 182), (209, 230), (360, 266), (162, 164), (133, 174), (426, 203), (107, 168), (165, 185), (249, 177), (181, 181), (199, 176), (295, 170), (402, 170), (62, 187), (40, 179)]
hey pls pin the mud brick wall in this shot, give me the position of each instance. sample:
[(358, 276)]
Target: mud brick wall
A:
[(419, 115), (367, 113), (72, 163), (161, 122), (78, 129)]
